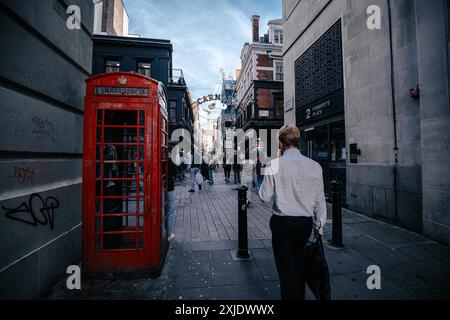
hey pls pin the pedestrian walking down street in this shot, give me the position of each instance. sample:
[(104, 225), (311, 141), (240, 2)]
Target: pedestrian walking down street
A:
[(259, 177), (194, 169), (237, 171), (204, 170), (211, 168), (295, 184), (227, 170), (173, 170)]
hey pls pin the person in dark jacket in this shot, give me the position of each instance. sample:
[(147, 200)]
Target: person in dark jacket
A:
[(204, 170), (237, 170), (211, 168)]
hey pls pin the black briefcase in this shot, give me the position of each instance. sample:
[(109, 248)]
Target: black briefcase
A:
[(316, 270)]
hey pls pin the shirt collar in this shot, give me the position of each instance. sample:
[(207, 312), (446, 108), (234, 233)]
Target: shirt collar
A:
[(292, 153)]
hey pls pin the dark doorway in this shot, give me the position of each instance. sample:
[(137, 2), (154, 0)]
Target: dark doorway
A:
[(326, 145)]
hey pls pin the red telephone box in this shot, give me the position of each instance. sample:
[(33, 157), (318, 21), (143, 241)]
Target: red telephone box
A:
[(125, 174)]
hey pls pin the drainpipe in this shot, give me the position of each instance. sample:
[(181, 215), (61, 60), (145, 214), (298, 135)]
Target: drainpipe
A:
[(394, 112)]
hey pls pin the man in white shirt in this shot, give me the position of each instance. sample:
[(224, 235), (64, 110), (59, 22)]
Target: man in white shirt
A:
[(295, 185)]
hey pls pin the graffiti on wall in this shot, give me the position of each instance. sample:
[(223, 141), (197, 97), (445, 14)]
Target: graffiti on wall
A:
[(43, 128), (23, 176), (38, 211)]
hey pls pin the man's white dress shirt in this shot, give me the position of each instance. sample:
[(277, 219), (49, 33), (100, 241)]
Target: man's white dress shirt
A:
[(295, 184)]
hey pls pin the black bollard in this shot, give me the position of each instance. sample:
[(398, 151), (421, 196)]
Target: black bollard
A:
[(336, 214), (242, 252)]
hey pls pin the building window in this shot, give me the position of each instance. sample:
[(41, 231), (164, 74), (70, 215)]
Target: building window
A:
[(278, 36), (279, 109), (279, 71), (173, 111), (112, 66), (145, 68)]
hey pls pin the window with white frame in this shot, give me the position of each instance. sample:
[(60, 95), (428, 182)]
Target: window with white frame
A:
[(278, 36), (279, 71)]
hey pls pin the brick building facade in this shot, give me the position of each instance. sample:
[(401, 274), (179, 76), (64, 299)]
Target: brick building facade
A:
[(259, 86)]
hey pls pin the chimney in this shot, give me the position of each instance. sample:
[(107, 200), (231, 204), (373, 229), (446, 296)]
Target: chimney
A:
[(255, 28)]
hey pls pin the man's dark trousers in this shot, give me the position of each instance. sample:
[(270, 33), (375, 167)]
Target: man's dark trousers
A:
[(289, 236)]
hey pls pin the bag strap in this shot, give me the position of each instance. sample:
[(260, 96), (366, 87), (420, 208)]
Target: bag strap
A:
[(316, 230)]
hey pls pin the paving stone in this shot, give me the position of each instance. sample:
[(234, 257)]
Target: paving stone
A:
[(274, 289), (265, 263), (190, 269), (387, 234), (232, 292), (345, 260), (429, 253), (420, 280), (143, 289), (354, 286), (377, 252), (275, 293), (226, 271)]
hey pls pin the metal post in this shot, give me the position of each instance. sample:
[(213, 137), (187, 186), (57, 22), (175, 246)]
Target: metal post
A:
[(336, 214), (242, 252)]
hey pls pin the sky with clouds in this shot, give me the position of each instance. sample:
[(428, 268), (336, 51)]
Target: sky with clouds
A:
[(206, 35)]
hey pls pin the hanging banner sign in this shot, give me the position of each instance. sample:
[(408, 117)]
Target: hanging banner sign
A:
[(204, 99)]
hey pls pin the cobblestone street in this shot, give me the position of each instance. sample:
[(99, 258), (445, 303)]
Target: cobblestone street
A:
[(200, 265)]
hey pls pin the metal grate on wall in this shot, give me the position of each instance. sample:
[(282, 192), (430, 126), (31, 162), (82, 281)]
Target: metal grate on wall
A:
[(319, 72)]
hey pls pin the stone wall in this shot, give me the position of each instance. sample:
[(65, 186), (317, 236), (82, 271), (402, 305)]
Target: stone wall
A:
[(420, 56), (432, 27), (43, 69)]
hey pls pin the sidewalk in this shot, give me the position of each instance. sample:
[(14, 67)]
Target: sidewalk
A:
[(200, 265)]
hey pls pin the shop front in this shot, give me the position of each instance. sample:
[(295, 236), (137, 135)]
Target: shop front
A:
[(325, 143), (319, 101)]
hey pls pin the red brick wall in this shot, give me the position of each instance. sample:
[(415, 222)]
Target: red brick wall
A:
[(263, 60), (265, 75), (255, 27)]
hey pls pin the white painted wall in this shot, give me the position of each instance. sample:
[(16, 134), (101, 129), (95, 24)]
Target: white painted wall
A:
[(98, 12)]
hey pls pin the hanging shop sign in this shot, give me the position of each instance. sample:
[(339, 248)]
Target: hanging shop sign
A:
[(204, 99)]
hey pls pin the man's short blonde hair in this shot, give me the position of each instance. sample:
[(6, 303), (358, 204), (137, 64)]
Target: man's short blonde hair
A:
[(289, 136)]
